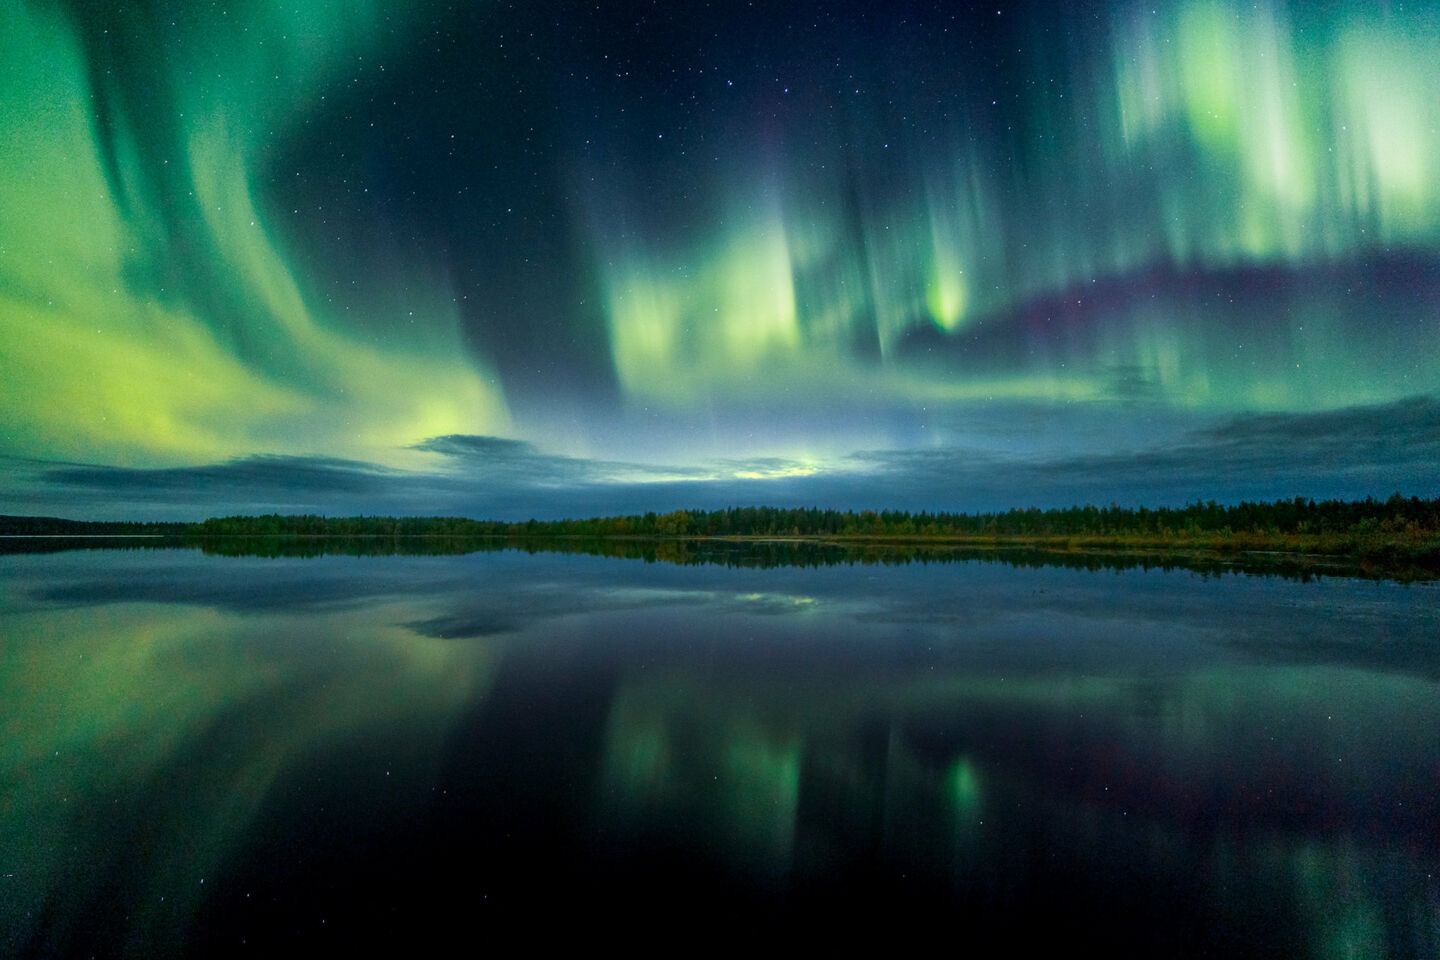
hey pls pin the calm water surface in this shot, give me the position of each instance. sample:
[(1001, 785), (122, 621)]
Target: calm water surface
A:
[(232, 755)]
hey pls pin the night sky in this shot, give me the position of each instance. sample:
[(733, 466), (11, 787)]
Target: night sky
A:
[(556, 259)]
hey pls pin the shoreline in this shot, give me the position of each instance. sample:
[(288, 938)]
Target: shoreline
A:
[(1341, 547)]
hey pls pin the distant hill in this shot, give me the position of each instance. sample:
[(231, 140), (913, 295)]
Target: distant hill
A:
[(60, 527)]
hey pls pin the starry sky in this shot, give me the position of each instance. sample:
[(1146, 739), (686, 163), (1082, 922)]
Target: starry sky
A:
[(555, 259)]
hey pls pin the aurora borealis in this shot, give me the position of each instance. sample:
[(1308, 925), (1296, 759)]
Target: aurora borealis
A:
[(545, 260)]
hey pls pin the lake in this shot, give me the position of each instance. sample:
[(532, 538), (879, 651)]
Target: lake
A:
[(210, 754)]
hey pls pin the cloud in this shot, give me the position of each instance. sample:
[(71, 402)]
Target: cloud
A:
[(466, 445), (1385, 429), (259, 473), (521, 462), (1371, 448), (768, 468), (1355, 452), (260, 484)]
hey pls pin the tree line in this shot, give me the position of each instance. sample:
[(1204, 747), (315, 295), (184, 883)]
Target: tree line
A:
[(60, 527), (1396, 516)]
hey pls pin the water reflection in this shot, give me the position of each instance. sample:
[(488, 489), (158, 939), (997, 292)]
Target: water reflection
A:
[(143, 735), (355, 750)]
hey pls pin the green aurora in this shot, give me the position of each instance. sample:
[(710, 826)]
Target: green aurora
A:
[(148, 314), (343, 230)]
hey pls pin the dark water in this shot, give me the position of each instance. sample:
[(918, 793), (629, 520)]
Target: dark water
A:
[(216, 755)]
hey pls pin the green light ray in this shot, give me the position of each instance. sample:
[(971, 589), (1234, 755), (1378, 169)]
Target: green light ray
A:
[(147, 315), (156, 308), (1230, 137)]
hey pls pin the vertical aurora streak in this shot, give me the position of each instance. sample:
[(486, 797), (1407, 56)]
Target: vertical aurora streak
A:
[(339, 230), (1210, 139)]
